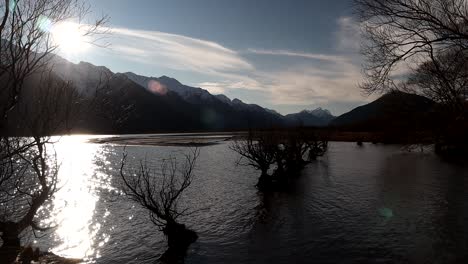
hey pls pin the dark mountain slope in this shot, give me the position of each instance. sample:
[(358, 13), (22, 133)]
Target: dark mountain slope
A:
[(128, 103), (136, 110), (395, 110), (215, 112)]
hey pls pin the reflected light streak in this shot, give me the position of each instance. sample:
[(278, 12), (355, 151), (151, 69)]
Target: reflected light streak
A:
[(75, 202)]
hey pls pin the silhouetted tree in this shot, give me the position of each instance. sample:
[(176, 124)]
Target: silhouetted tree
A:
[(453, 92), (28, 169), (397, 31), (29, 182), (279, 154), (258, 149), (159, 193), (419, 46), (26, 44)]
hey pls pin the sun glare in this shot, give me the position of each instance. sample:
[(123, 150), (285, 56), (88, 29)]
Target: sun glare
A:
[(69, 37)]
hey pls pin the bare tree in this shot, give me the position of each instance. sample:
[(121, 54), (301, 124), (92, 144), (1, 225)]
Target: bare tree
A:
[(28, 169), (421, 46), (278, 154), (28, 164), (159, 193), (257, 150), (26, 44), (451, 66), (31, 183), (428, 35)]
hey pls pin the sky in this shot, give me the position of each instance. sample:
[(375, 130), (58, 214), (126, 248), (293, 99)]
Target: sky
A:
[(283, 55)]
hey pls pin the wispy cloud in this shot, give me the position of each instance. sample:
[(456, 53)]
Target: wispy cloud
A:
[(315, 82), (214, 87), (176, 51), (312, 85), (299, 85), (319, 79), (313, 56)]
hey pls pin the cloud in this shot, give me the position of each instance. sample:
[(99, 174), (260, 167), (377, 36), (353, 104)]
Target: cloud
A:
[(176, 51), (232, 82), (315, 82), (213, 87), (348, 35), (314, 56), (314, 85), (320, 79), (299, 85)]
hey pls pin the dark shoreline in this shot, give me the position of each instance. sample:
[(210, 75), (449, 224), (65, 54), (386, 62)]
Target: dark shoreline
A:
[(201, 139)]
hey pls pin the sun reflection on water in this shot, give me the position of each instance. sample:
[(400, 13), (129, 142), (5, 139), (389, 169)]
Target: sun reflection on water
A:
[(75, 203)]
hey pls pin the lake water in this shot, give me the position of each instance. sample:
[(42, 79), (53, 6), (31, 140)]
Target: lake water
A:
[(370, 204)]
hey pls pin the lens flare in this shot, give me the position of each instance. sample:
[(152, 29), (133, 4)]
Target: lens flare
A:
[(44, 24), (157, 87), (385, 212)]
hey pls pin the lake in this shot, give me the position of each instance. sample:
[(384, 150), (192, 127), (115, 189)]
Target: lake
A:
[(370, 204)]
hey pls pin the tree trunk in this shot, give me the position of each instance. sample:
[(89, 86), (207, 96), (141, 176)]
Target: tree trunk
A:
[(179, 238), (11, 243), (264, 182)]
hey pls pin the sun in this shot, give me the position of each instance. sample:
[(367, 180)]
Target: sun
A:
[(69, 37)]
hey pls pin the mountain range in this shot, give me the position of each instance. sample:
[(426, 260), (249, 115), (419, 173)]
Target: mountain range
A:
[(132, 103), (153, 104)]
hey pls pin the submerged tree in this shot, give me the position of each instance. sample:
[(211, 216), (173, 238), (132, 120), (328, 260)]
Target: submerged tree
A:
[(159, 193), (258, 150), (279, 155)]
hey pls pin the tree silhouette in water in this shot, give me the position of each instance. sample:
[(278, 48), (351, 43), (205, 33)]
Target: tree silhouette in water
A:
[(159, 193)]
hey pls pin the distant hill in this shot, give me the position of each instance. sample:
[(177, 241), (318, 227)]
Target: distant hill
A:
[(392, 110)]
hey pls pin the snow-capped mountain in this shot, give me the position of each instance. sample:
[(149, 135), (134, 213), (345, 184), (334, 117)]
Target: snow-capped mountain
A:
[(316, 117), (321, 113)]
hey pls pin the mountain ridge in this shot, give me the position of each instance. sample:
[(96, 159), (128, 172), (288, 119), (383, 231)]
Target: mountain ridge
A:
[(197, 95), (142, 104), (394, 109)]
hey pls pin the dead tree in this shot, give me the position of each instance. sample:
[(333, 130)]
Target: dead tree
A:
[(296, 149), (420, 46), (316, 144), (159, 193), (26, 45), (279, 155), (29, 181), (258, 150), (28, 171), (414, 31), (28, 165)]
